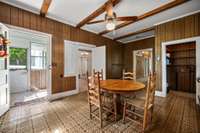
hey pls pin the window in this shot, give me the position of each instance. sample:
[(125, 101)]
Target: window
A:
[(38, 59), (18, 58)]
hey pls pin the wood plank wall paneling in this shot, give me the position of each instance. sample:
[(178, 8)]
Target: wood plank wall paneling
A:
[(114, 62), (178, 29), (18, 17), (137, 45)]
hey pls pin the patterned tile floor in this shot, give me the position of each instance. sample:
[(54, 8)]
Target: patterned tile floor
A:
[(71, 115)]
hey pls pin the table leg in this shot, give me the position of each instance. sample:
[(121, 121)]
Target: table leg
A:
[(115, 105)]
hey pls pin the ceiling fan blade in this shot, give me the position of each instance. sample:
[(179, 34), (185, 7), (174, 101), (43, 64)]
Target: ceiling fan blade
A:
[(97, 21), (127, 18)]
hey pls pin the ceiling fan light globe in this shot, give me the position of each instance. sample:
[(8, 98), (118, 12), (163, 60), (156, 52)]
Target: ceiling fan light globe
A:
[(110, 26)]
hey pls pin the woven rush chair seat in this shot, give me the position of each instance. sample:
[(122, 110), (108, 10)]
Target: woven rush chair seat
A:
[(139, 103)]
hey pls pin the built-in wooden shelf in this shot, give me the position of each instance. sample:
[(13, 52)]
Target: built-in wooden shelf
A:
[(181, 69), (181, 65), (183, 57), (182, 50)]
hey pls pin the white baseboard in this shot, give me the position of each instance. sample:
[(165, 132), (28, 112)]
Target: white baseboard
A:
[(160, 94), (4, 109), (62, 94)]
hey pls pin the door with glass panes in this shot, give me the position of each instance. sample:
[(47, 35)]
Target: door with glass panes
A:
[(38, 70), (4, 79)]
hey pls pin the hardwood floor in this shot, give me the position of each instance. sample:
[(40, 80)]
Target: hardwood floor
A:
[(177, 113), (21, 98)]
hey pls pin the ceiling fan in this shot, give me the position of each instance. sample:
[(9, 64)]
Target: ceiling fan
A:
[(111, 17)]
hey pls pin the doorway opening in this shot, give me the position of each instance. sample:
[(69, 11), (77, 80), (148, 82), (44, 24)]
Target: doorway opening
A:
[(29, 67), (142, 64), (192, 61), (181, 67), (84, 67)]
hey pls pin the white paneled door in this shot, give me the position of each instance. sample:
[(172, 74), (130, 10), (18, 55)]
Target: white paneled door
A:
[(4, 86), (99, 59)]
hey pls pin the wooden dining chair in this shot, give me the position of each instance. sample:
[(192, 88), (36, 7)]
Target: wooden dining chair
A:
[(97, 105), (106, 96), (143, 109), (128, 75), (100, 73)]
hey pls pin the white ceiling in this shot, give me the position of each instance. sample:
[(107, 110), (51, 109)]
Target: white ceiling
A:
[(73, 11), (137, 37)]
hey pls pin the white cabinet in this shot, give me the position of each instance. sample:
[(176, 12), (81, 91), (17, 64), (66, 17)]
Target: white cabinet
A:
[(70, 59)]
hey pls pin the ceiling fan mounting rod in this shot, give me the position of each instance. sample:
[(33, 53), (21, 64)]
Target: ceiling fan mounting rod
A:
[(109, 8), (113, 17)]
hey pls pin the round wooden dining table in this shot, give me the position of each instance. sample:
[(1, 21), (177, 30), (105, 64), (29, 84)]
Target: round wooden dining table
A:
[(118, 87)]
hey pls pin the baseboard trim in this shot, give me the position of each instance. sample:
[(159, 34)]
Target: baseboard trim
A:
[(62, 94)]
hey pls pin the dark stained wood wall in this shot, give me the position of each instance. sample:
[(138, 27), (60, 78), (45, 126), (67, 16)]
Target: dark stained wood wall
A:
[(114, 61), (18, 17), (137, 45), (178, 29)]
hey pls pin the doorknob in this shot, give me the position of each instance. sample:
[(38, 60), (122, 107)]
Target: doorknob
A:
[(50, 67), (198, 80)]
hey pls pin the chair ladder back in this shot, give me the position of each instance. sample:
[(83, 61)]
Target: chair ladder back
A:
[(100, 74), (94, 89), (149, 101), (151, 85), (128, 75)]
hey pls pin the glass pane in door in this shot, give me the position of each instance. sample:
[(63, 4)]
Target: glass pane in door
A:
[(143, 60), (18, 69), (38, 59), (18, 58), (38, 67)]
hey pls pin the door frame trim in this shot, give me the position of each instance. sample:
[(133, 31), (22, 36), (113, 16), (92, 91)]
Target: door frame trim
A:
[(49, 49), (163, 93)]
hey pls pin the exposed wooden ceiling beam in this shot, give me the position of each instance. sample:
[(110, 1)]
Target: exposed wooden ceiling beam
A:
[(45, 7), (96, 13), (148, 14), (135, 33)]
